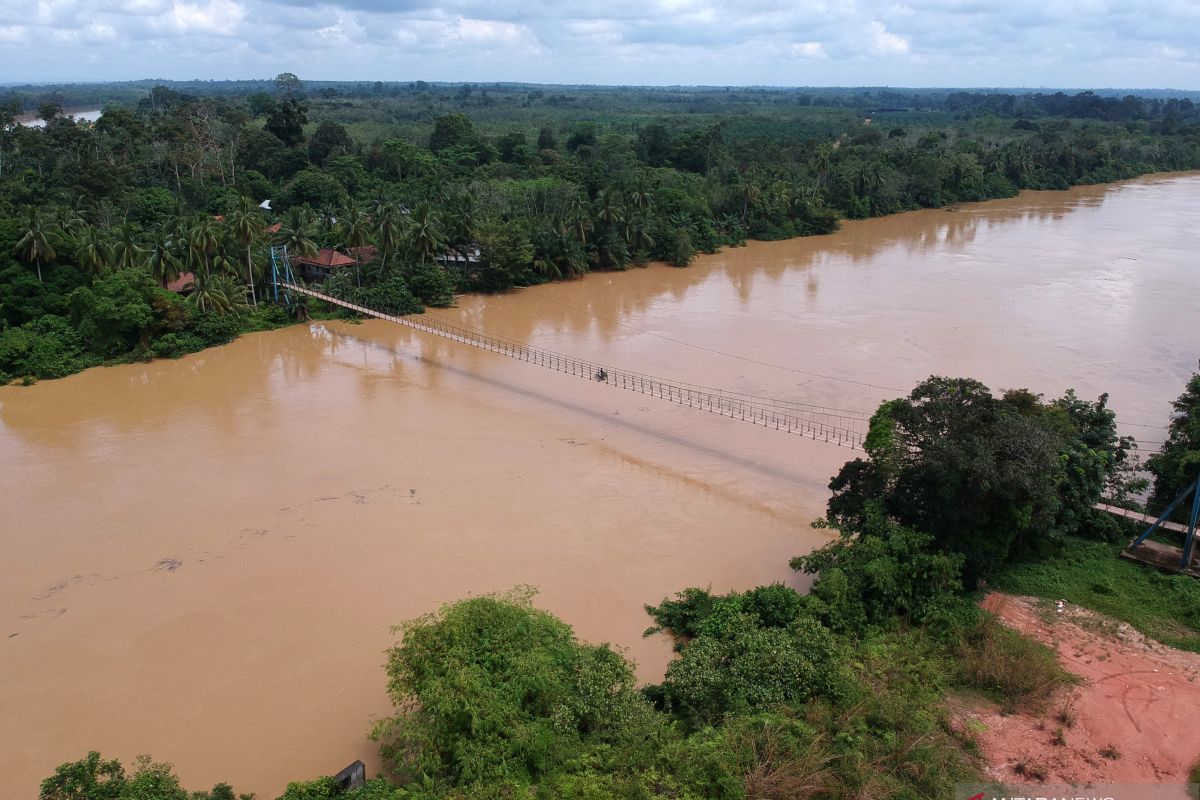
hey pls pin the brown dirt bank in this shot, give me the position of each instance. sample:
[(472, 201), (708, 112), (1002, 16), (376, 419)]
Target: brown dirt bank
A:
[(1131, 719)]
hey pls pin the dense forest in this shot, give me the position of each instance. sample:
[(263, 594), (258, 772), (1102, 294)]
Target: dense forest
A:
[(433, 188), (834, 694)]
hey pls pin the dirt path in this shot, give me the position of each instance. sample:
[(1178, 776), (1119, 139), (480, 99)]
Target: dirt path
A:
[(1132, 718)]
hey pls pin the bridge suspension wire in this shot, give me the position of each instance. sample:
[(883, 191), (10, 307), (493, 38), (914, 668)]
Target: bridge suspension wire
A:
[(714, 351), (830, 425)]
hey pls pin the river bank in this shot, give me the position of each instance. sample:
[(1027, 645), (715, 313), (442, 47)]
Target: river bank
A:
[(58, 353)]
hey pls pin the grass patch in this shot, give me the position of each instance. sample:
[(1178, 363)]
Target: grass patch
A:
[(1091, 574), (1014, 670)]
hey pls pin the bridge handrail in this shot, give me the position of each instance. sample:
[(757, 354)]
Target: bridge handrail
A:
[(836, 426)]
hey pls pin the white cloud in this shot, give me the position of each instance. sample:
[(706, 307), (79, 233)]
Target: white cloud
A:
[(1067, 43), (99, 32), (220, 17), (808, 50), (883, 42), (13, 34), (492, 33)]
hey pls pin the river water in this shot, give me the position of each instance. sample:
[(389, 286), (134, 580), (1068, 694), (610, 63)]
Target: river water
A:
[(202, 557)]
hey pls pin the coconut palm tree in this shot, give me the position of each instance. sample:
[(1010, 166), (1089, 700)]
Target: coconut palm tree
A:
[(93, 253), (390, 233), (608, 208), (750, 191), (638, 236), (221, 294), (577, 217), (822, 162), (37, 240), (355, 234), (126, 252), (425, 238), (202, 244), (164, 265), (296, 233), (640, 197), (245, 225)]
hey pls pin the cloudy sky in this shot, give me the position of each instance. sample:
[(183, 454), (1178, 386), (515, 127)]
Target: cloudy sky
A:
[(1032, 43)]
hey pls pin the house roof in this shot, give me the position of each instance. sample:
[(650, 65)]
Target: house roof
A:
[(186, 280), (365, 253), (327, 258)]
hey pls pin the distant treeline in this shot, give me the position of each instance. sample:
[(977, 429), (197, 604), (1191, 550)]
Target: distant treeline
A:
[(1109, 104)]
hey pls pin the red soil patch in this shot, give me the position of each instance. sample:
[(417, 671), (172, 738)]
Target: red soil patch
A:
[(1131, 719)]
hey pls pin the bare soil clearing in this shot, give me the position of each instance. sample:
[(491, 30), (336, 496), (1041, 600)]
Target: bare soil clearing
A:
[(1129, 720)]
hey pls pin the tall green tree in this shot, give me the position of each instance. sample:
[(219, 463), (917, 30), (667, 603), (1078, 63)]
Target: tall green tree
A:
[(246, 226), (983, 475), (295, 234), (425, 237), (93, 254), (36, 245), (355, 233), (1177, 464), (126, 248)]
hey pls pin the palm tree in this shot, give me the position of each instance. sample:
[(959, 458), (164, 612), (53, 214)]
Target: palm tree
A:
[(460, 233), (750, 192), (390, 233), (221, 294), (296, 233), (92, 251), (164, 266), (126, 252), (202, 243), (641, 198), (245, 225), (608, 208), (35, 244), (639, 238), (578, 218), (356, 233), (425, 235), (823, 162)]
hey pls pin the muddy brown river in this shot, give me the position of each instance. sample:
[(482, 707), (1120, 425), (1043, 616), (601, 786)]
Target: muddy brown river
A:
[(202, 557)]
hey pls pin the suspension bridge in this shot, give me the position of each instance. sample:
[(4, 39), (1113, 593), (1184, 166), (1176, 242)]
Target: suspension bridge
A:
[(820, 423), (831, 425)]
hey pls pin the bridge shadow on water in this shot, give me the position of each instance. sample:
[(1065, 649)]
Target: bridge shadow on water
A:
[(699, 448)]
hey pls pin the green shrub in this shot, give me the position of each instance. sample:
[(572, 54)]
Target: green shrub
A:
[(45, 348), (213, 328), (431, 284), (92, 778), (887, 574), (174, 345), (391, 295), (492, 690), (686, 615), (1016, 670), (735, 665)]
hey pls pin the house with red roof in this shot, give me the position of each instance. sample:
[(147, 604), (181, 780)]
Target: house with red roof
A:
[(321, 265), (184, 284)]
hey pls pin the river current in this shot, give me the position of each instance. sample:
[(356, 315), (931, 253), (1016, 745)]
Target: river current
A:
[(202, 557)]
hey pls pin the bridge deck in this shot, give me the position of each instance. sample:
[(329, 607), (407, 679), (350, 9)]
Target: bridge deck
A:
[(834, 426), (1163, 557), (1137, 516)]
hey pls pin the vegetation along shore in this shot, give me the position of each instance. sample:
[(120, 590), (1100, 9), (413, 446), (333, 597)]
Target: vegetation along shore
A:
[(145, 233)]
